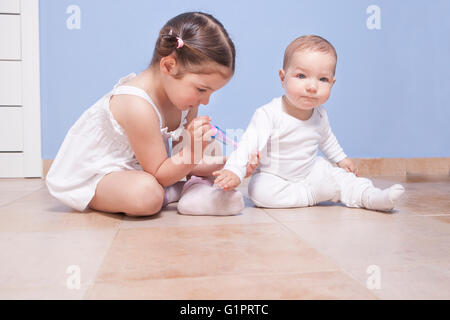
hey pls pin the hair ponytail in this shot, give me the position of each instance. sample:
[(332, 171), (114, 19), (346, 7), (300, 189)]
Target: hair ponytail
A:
[(165, 45), (196, 38)]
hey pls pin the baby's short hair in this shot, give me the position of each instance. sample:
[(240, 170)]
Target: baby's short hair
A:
[(308, 42)]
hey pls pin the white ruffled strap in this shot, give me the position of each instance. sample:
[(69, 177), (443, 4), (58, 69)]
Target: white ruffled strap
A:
[(175, 135), (125, 79), (124, 89)]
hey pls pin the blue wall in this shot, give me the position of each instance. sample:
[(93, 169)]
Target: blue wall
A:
[(391, 94)]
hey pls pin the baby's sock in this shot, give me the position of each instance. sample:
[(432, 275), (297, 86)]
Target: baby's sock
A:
[(173, 193), (326, 190), (383, 200), (200, 197)]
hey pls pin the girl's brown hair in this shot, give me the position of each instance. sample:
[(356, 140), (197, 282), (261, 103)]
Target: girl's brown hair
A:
[(205, 40)]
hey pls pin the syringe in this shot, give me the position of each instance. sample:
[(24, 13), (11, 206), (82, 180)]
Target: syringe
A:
[(220, 135)]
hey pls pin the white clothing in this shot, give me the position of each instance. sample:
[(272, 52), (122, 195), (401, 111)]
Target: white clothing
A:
[(290, 173), (95, 146), (288, 146), (271, 191)]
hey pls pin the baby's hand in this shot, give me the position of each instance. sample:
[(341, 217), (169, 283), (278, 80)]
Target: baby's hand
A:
[(253, 162), (226, 179), (348, 165)]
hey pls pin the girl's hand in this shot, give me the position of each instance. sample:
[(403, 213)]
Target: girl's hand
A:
[(253, 162), (226, 179), (199, 132), (348, 165)]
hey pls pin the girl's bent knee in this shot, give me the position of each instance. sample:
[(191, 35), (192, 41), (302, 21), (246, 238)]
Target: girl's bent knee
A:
[(148, 199), (148, 207)]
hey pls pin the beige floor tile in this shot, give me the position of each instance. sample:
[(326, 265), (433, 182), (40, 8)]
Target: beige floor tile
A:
[(15, 189), (316, 285), (383, 242), (410, 281), (443, 218), (21, 184), (174, 252), (6, 197), (39, 211), (329, 211), (170, 217), (306, 253), (34, 265), (426, 198), (55, 292)]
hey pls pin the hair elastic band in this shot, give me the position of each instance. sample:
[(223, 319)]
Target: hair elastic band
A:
[(180, 42)]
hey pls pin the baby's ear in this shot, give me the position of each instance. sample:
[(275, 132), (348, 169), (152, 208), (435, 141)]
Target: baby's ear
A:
[(282, 75), (334, 80)]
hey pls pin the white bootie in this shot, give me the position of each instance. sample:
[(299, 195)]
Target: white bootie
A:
[(173, 193), (383, 200), (200, 197)]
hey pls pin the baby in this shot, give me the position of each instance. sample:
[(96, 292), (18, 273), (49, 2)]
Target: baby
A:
[(288, 132)]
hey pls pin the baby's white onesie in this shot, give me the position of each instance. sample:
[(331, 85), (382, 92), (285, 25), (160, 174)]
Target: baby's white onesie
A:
[(291, 174)]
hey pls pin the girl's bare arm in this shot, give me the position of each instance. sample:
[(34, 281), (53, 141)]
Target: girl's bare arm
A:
[(141, 124)]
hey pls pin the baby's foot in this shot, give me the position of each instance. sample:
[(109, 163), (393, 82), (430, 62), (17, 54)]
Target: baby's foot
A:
[(199, 197), (383, 200)]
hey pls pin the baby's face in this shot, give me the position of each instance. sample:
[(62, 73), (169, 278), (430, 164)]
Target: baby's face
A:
[(308, 78)]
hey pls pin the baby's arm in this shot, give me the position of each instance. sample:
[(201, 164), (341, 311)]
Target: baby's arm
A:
[(228, 180), (141, 124), (253, 141), (331, 148)]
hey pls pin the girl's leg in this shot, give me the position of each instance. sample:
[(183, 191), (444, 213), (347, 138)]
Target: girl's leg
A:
[(135, 193)]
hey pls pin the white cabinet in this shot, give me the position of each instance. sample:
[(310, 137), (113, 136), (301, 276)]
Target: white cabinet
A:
[(10, 37), (10, 6), (10, 83), (11, 129), (20, 131)]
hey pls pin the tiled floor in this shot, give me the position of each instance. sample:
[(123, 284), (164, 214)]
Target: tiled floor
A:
[(323, 252)]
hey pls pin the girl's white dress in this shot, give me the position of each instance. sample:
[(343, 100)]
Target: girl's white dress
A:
[(95, 146)]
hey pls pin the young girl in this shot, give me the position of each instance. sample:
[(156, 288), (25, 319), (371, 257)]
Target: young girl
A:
[(115, 157)]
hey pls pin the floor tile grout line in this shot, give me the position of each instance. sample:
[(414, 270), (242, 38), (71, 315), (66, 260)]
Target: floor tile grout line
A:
[(328, 270), (364, 285), (285, 224), (312, 246), (324, 254), (21, 197), (268, 215), (355, 218), (85, 296), (345, 269), (262, 274)]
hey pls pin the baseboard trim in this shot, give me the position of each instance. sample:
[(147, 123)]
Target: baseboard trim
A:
[(46, 164), (372, 167), (403, 166)]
